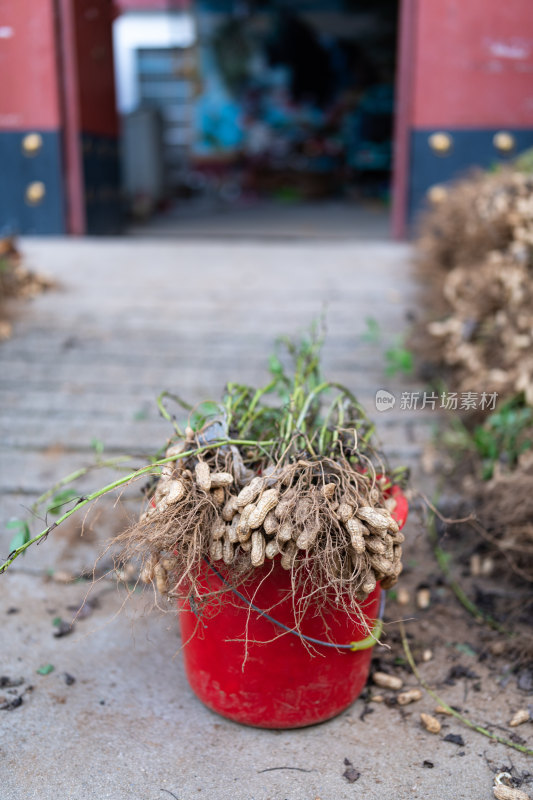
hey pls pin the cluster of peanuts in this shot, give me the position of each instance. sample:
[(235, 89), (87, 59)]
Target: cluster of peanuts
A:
[(478, 253), (266, 519)]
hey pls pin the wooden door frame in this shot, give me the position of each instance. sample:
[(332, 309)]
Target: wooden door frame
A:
[(405, 72), (71, 135)]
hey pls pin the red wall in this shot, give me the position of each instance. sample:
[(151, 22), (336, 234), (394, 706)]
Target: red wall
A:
[(29, 96), (473, 64), (151, 5)]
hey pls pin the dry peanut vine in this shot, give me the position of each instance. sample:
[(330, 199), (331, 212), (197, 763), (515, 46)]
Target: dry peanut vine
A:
[(253, 478)]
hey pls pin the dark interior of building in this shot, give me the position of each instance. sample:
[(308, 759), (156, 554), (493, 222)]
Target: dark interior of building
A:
[(276, 104)]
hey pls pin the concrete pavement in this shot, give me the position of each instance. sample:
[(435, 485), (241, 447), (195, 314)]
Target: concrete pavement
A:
[(133, 317)]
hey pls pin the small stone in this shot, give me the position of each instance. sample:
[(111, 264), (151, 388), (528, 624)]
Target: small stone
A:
[(410, 696), (442, 710), (63, 629), (431, 724), (403, 597), (427, 655), (385, 681), (377, 698), (498, 648), (423, 599), (9, 683), (454, 738), (351, 774), (10, 705), (520, 717)]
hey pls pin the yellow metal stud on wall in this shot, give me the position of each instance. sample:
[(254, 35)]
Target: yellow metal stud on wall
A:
[(441, 143), (437, 194), (504, 141), (31, 144), (35, 193)]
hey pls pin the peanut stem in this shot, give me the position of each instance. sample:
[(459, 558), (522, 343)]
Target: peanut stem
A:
[(449, 709), (457, 589), (76, 475), (83, 501)]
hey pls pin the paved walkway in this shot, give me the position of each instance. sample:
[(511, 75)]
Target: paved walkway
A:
[(85, 363)]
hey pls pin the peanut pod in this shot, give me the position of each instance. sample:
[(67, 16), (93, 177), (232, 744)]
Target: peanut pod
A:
[(355, 528), (389, 581), (284, 533), (328, 490), (380, 520), (272, 549), (250, 492), (147, 572), (303, 509), (374, 495), (231, 531), (257, 554), (285, 503), (175, 450), (288, 555), (308, 536), (270, 523), (409, 696), (221, 480), (382, 564), (502, 792), (169, 563), (215, 550), (230, 509), (369, 583), (218, 529), (161, 580), (376, 545), (228, 551), (397, 538), (266, 503), (243, 524), (345, 512), (386, 681), (218, 496), (431, 724), (202, 474)]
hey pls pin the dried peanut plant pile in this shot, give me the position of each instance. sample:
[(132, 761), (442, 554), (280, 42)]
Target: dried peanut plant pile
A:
[(15, 279), (475, 254), (300, 482), (476, 257), (286, 472)]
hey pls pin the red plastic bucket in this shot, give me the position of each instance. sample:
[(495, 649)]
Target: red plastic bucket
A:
[(274, 681)]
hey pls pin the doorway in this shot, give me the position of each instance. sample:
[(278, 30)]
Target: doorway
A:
[(288, 106)]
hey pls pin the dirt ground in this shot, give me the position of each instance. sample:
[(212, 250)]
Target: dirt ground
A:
[(105, 711)]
